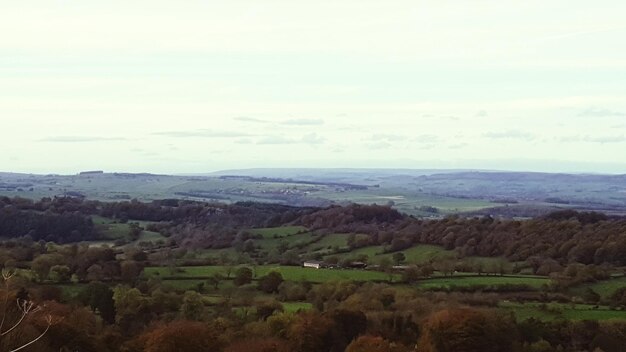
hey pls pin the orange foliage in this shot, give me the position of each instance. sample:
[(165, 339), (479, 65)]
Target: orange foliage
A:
[(468, 330), (260, 345), (372, 344), (181, 336)]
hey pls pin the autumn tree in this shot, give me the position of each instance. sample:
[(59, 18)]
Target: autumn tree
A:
[(260, 345), (14, 317), (182, 336), (463, 329), (373, 344)]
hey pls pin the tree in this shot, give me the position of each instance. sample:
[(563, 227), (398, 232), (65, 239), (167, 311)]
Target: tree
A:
[(130, 270), (311, 332), (452, 330), (129, 303), (398, 258), (270, 282), (348, 325), (43, 263), (266, 309), (260, 345), (215, 280), (60, 273), (243, 276), (193, 306), (386, 267), (99, 297), (134, 231), (371, 344), (182, 336), (410, 274)]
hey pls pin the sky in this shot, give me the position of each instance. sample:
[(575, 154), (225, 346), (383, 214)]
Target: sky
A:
[(199, 86)]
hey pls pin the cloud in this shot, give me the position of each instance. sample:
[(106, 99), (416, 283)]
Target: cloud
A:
[(426, 138), (600, 112), (481, 113), (379, 145), (510, 134), (203, 133), (597, 139), (250, 119), (303, 122), (311, 138), (80, 139), (387, 137), (276, 140), (458, 146)]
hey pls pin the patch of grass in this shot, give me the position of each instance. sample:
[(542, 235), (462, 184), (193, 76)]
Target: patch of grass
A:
[(604, 288), (70, 291), (283, 231), (150, 236), (292, 307), (418, 254), (291, 273), (467, 281), (293, 241), (328, 242), (554, 311), (422, 253), (113, 231)]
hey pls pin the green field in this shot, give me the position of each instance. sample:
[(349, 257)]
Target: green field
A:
[(292, 273), (604, 288), (273, 232), (467, 281), (301, 239), (418, 254), (328, 243), (422, 253), (150, 236), (554, 311), (291, 307)]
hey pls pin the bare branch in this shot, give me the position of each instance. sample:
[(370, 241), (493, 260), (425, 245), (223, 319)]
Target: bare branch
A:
[(6, 276), (27, 307), (49, 322)]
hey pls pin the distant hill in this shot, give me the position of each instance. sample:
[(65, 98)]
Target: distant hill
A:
[(430, 193)]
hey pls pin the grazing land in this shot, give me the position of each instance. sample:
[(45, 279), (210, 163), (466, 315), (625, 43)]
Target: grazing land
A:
[(138, 266), (288, 273), (429, 193)]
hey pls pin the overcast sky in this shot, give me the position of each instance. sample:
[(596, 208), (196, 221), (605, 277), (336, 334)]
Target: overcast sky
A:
[(197, 86)]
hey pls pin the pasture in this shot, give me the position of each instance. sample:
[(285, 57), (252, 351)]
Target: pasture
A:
[(291, 273), (557, 311), (604, 288), (487, 281), (278, 232)]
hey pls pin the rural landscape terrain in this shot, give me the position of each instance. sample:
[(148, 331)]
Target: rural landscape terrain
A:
[(274, 260), (416, 192), (313, 176)]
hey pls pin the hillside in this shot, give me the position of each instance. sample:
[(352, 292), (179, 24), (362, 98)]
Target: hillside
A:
[(431, 193)]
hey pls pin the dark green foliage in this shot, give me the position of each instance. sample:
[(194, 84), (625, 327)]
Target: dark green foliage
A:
[(243, 276), (270, 282), (99, 297)]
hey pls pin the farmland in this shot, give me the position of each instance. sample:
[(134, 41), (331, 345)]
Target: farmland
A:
[(205, 262), (419, 192), (288, 273), (556, 311), (484, 281), (605, 288)]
